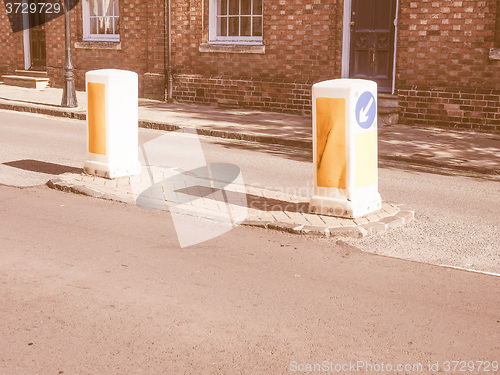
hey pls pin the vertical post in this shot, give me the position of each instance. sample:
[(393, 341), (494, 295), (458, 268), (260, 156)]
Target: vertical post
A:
[(169, 63), (69, 93)]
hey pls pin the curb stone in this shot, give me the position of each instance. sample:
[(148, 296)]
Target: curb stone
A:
[(255, 223), (392, 221), (76, 114), (286, 227), (352, 232), (59, 184), (374, 228), (316, 231)]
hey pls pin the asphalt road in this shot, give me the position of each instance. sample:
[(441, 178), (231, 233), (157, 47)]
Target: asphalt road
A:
[(97, 287), (457, 221)]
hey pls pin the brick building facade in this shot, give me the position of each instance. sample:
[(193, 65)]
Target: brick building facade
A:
[(448, 72), (441, 57)]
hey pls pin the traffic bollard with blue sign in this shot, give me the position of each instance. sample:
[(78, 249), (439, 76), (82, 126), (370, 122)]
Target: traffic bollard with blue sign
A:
[(345, 148), (112, 123)]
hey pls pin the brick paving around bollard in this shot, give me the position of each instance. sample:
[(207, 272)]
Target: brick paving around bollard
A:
[(267, 209)]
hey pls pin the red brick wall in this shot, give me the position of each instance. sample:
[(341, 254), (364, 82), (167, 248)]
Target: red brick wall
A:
[(497, 27), (11, 45), (228, 91), (451, 107), (447, 43), (301, 39), (302, 46), (444, 74), (141, 47)]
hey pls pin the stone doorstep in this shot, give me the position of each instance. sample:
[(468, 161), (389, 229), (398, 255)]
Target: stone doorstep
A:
[(387, 100), (24, 81), (32, 73), (387, 109)]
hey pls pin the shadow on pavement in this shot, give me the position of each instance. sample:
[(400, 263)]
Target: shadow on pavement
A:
[(252, 201), (286, 152), (42, 167)]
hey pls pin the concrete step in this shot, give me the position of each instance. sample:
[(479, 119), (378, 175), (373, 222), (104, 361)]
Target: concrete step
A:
[(388, 109), (387, 101), (31, 73), (23, 81)]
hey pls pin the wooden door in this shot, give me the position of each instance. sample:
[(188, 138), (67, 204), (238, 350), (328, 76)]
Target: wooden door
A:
[(37, 40), (372, 41)]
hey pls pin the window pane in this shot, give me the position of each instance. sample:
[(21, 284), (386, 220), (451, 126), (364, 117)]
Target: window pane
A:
[(93, 26), (246, 6), (237, 18), (222, 26), (100, 26), (116, 12), (234, 26), (99, 7), (109, 10), (246, 26), (234, 7), (93, 8), (222, 7), (257, 7), (103, 17), (108, 24), (257, 26)]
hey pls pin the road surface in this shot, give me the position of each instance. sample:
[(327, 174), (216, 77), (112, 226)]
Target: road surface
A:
[(97, 287), (457, 221)]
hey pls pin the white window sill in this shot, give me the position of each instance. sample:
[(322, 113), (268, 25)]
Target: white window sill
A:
[(494, 53), (232, 48), (98, 44)]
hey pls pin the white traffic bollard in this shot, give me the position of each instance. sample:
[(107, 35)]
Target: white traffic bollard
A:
[(345, 148), (112, 123)]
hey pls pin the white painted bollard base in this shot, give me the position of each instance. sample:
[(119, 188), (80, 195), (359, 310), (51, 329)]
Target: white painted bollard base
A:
[(109, 171), (344, 208)]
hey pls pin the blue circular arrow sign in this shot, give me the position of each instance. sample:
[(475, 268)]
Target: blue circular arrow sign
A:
[(366, 110)]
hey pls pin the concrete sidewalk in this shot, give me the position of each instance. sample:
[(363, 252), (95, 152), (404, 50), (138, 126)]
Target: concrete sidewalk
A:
[(433, 148)]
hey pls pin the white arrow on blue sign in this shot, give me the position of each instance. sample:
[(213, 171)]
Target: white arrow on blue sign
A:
[(366, 110)]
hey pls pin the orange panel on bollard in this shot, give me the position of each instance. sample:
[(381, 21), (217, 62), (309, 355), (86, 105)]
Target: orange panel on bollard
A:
[(112, 123)]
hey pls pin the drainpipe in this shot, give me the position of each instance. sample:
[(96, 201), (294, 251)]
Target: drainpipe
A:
[(168, 49), (396, 20)]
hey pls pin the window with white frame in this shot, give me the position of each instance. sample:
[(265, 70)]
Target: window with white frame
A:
[(236, 21), (101, 20)]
